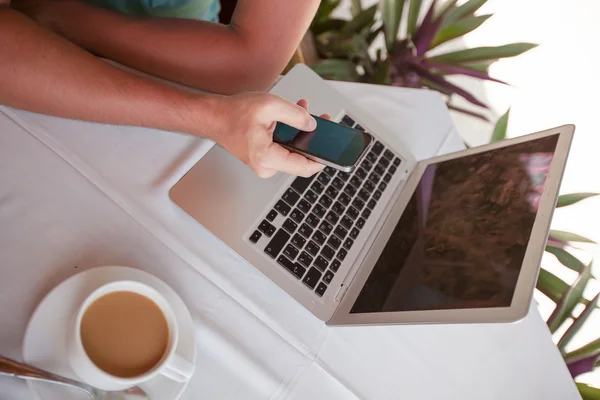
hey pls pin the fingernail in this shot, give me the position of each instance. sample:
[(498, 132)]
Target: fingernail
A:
[(312, 124)]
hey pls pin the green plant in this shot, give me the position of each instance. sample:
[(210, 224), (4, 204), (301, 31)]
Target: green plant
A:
[(407, 59), (568, 297)]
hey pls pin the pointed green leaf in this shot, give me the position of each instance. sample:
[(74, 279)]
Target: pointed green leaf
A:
[(483, 53), (572, 198), (365, 18), (551, 285), (569, 237), (458, 29), (566, 258), (434, 86), (414, 9), (501, 127), (590, 349), (578, 323), (356, 7), (325, 9), (588, 392), (445, 8), (391, 13), (464, 10), (341, 70), (328, 25), (483, 66), (570, 299)]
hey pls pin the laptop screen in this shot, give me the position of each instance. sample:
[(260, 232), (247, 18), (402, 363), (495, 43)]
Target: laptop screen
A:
[(461, 240)]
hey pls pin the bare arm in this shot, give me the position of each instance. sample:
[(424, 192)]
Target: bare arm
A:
[(246, 55)]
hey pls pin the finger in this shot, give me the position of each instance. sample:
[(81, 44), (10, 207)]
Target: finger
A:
[(326, 116), (279, 109), (303, 103), (281, 159)]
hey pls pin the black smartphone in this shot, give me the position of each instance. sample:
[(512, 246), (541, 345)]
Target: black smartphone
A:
[(331, 144)]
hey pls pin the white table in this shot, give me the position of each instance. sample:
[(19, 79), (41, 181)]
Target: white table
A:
[(77, 195)]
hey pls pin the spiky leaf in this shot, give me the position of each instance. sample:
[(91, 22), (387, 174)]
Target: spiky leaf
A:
[(565, 258), (325, 9), (590, 349), (460, 70), (362, 20), (340, 70), (458, 29), (464, 10), (414, 9), (551, 285), (391, 13), (328, 25), (356, 7), (501, 127), (588, 392), (445, 8), (572, 198), (569, 237), (578, 323), (478, 54)]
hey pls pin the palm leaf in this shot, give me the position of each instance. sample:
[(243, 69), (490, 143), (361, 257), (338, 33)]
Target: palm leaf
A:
[(568, 199), (590, 349), (569, 237), (391, 13), (566, 258), (458, 29), (464, 10), (414, 9), (569, 300), (578, 323), (478, 54), (501, 127)]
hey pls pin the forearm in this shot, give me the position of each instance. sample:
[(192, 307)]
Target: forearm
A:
[(42, 72)]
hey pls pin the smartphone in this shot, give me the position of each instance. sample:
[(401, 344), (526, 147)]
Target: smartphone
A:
[(332, 144)]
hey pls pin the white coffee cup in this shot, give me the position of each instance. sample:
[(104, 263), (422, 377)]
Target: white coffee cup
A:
[(171, 365)]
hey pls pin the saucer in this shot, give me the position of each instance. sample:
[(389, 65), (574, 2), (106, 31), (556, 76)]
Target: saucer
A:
[(45, 339)]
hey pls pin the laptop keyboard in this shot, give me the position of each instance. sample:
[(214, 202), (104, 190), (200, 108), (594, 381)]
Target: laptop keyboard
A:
[(324, 214)]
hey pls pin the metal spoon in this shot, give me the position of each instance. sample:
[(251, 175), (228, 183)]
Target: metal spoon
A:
[(16, 369)]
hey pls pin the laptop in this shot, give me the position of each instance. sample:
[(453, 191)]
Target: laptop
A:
[(452, 239)]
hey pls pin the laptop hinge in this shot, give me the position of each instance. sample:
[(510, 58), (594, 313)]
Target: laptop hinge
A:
[(341, 292)]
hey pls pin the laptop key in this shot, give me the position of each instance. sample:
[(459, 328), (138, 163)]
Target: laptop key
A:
[(290, 251), (305, 259), (369, 187), (312, 248), (382, 186), (355, 181), (340, 231), (331, 192), (360, 128), (320, 290), (290, 197), (300, 184), (319, 211), (344, 199), (354, 233), (338, 183), (296, 269), (379, 169), (277, 243), (310, 196), (326, 227), (367, 165), (346, 222), (384, 162), (396, 161), (360, 223), (283, 208), (272, 215), (358, 204), (332, 218), (298, 241), (372, 157), (361, 173), (290, 225), (306, 230), (338, 208), (364, 195), (342, 254), (327, 252), (319, 237), (265, 226), (297, 216), (348, 243), (378, 148), (321, 263), (328, 277), (317, 187), (377, 195), (387, 178), (335, 265), (350, 190), (334, 242), (373, 177), (372, 203), (329, 171), (347, 121), (303, 206), (388, 154), (323, 178), (312, 277), (352, 213), (255, 236), (312, 220), (344, 176), (325, 201), (392, 170)]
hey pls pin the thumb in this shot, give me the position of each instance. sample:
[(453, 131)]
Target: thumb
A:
[(281, 110)]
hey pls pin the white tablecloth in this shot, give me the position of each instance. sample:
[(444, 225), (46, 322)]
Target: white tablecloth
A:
[(77, 195)]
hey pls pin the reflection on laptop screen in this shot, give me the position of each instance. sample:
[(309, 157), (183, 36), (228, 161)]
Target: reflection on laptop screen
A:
[(461, 240)]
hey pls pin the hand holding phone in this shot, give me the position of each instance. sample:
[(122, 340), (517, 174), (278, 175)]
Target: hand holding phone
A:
[(332, 144)]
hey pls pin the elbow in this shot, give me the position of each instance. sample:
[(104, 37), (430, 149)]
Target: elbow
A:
[(252, 77)]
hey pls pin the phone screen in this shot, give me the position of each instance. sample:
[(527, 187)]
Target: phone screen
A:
[(330, 141)]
